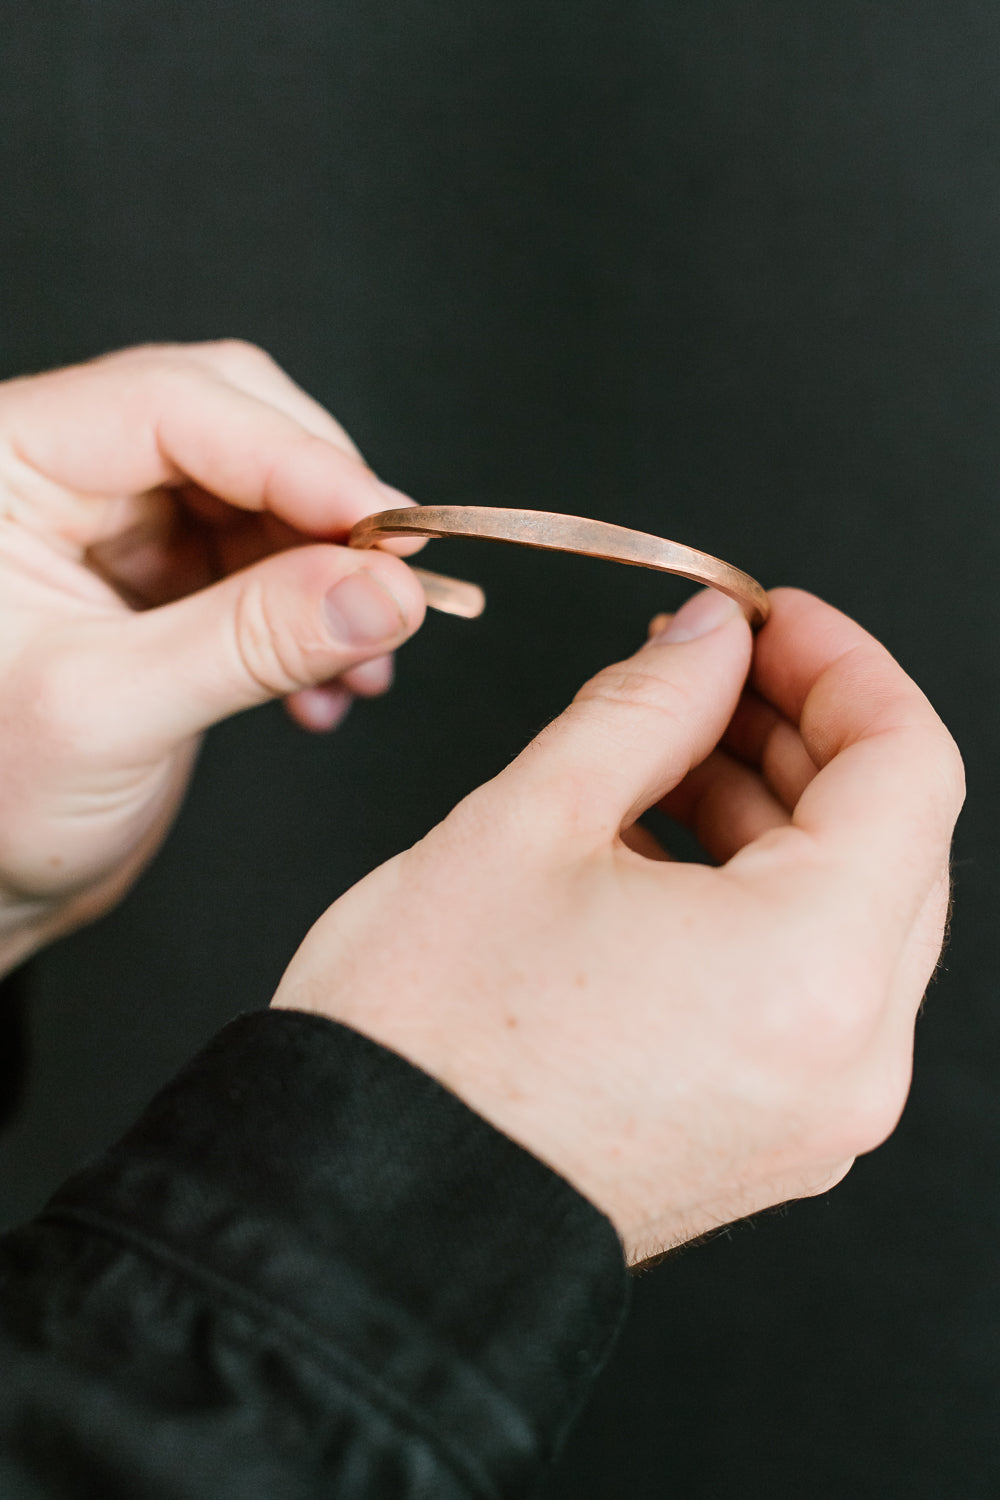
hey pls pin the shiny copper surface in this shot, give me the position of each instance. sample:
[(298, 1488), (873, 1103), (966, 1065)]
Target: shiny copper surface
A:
[(559, 533), (450, 595)]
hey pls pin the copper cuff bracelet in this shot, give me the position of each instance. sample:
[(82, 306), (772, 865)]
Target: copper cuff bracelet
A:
[(554, 533)]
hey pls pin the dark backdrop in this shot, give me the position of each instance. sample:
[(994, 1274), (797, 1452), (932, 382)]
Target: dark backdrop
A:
[(723, 269)]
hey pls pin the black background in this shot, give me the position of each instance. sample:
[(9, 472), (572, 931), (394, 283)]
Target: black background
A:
[(726, 271)]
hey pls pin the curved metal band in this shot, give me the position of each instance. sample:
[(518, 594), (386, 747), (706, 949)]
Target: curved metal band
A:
[(559, 533)]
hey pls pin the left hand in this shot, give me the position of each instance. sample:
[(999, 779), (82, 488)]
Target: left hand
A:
[(154, 578)]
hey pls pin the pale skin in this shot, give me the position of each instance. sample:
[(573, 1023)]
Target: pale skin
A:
[(686, 1043), (171, 529)]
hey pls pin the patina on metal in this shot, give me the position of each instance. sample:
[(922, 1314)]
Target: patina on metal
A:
[(554, 533)]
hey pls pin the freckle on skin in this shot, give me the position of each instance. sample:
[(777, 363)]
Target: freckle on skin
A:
[(511, 1023), (55, 860)]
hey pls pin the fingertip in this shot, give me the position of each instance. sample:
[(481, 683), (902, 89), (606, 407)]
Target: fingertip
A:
[(634, 731), (321, 709), (321, 488), (703, 613), (403, 546), (393, 499), (370, 678)]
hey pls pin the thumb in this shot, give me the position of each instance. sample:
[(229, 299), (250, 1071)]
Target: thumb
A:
[(294, 620), (634, 731)]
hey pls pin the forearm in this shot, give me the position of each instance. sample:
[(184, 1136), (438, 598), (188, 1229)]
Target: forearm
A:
[(309, 1270)]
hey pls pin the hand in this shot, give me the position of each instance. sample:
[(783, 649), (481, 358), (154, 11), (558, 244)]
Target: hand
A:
[(685, 1043), (153, 580)]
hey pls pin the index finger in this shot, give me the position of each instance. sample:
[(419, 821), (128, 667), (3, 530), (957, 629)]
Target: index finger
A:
[(143, 418), (890, 783)]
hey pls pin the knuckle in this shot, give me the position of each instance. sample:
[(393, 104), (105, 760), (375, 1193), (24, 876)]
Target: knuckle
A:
[(266, 651), (162, 370), (953, 776), (942, 791), (154, 359), (870, 1112), (851, 1079), (627, 686), (238, 355), (826, 1008), (844, 1024), (814, 1056), (626, 705), (166, 363), (823, 1178)]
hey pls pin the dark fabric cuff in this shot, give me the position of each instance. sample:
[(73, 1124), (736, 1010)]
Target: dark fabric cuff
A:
[(319, 1180), (13, 1042)]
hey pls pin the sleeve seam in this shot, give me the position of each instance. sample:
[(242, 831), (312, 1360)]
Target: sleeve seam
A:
[(354, 1375)]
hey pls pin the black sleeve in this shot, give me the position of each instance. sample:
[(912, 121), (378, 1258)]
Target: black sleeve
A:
[(309, 1270), (13, 1043)]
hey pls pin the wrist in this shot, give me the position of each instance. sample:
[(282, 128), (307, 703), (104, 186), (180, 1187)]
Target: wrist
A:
[(476, 1062)]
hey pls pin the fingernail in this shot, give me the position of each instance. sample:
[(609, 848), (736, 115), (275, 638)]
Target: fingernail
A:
[(394, 499), (701, 614), (360, 611)]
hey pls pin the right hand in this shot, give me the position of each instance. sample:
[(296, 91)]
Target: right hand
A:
[(685, 1043)]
